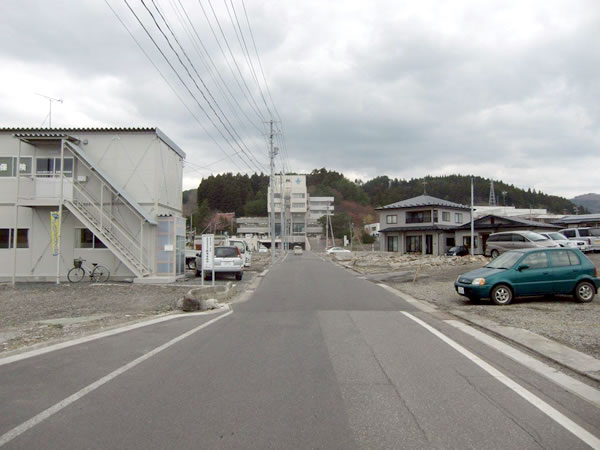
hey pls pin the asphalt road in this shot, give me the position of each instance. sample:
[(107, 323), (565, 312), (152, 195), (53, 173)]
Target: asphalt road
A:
[(315, 358)]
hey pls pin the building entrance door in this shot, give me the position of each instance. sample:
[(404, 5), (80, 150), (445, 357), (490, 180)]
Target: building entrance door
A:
[(429, 244)]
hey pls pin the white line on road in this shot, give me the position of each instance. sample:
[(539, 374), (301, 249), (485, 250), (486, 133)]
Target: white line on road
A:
[(551, 412), (93, 337), (583, 390), (10, 435)]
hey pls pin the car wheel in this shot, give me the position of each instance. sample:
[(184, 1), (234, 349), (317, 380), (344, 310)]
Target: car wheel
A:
[(495, 253), (584, 292), (501, 295), (238, 276)]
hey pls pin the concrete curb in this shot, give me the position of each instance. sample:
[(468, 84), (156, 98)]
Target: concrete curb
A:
[(562, 355)]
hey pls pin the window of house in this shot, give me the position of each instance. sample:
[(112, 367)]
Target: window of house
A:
[(6, 166), (450, 241), (86, 239), (435, 216), (414, 244), (298, 228), (458, 217), (445, 216), (392, 218), (418, 216), (6, 238), (50, 167), (392, 243), (467, 241)]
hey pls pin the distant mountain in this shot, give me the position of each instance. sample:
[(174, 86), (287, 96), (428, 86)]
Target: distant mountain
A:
[(591, 202)]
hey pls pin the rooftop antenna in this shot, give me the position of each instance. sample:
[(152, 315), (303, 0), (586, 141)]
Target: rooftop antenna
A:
[(50, 100), (492, 201)]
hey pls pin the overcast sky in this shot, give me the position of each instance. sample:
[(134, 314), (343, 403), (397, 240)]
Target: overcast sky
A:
[(508, 90)]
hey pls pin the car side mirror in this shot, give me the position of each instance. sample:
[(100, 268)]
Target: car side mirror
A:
[(522, 267)]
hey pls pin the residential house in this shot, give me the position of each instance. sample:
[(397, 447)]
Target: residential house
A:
[(422, 224), (112, 196)]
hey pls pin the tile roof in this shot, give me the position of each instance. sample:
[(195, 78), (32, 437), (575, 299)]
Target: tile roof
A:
[(423, 200), (514, 222)]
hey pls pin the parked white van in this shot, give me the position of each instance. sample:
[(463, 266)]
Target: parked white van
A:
[(244, 250)]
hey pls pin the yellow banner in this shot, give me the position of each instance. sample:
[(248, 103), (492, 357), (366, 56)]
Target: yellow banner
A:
[(54, 231)]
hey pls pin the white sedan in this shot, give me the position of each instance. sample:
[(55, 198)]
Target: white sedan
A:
[(337, 250), (563, 241)]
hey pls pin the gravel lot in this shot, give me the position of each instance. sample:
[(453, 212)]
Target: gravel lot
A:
[(36, 313), (560, 318)]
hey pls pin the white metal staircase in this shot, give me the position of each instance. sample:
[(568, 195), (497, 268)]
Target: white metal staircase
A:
[(117, 220)]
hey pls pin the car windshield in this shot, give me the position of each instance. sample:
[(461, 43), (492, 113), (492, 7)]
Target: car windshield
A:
[(534, 236), (557, 236), (505, 260)]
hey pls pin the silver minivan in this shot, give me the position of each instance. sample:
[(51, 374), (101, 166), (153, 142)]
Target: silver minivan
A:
[(513, 240)]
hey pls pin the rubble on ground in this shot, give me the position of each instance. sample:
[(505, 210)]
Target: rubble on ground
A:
[(373, 262)]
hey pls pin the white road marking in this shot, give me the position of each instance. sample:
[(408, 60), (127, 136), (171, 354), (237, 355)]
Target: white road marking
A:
[(35, 420), (407, 298), (92, 337), (557, 416), (583, 390)]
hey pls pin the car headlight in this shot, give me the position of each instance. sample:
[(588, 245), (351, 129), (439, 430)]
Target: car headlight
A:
[(478, 282)]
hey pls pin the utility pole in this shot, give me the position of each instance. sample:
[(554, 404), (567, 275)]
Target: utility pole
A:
[(327, 228), (272, 154), (282, 220), (50, 100), (472, 221)]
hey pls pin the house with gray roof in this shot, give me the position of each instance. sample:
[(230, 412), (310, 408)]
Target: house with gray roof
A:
[(430, 226), (422, 224)]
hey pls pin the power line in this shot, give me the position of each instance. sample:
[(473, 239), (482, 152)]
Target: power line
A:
[(169, 84), (237, 139), (183, 82)]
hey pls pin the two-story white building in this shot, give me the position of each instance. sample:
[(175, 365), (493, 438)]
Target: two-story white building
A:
[(111, 196), (422, 224)]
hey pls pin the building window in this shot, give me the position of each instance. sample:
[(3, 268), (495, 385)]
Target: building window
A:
[(86, 239), (50, 167), (6, 238), (458, 217), (445, 216), (450, 242), (467, 242), (298, 228), (391, 219), (298, 205), (414, 244), (392, 243), (435, 216), (418, 216), (296, 195), (8, 166)]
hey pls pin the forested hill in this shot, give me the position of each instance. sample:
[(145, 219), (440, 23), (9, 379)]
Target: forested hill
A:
[(457, 188), (247, 195)]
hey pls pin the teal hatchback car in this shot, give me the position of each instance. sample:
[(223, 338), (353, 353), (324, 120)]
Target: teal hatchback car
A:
[(532, 272)]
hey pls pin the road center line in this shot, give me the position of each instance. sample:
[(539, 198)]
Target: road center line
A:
[(10, 435), (551, 412)]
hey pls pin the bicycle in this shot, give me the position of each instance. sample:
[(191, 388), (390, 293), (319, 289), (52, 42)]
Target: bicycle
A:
[(98, 274)]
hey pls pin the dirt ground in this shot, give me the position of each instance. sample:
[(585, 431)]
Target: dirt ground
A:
[(560, 318), (36, 313)]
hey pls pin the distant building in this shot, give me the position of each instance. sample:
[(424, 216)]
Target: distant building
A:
[(301, 212), (372, 229), (430, 226), (580, 220), (120, 192)]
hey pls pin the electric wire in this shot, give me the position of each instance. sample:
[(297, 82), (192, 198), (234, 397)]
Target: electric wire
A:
[(170, 85), (233, 133)]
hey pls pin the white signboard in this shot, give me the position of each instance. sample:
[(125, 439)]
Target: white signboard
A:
[(208, 251)]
